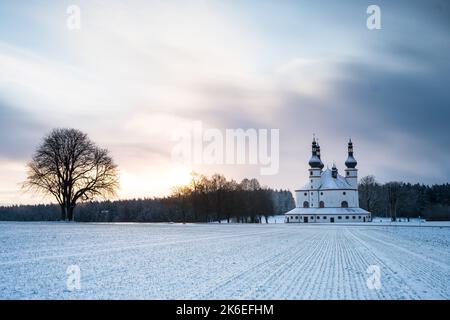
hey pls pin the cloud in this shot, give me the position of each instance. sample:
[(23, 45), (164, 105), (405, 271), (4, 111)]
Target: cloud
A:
[(136, 71), (19, 132), (398, 116)]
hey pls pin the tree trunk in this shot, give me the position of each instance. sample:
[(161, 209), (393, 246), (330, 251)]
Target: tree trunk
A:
[(63, 213), (70, 213)]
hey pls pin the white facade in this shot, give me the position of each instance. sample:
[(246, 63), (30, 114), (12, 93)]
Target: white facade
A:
[(329, 197)]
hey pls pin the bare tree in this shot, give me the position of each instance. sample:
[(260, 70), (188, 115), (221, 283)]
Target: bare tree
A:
[(394, 194), (368, 192), (70, 167), (181, 194)]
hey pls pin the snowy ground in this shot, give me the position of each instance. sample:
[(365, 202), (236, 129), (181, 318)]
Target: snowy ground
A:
[(217, 261)]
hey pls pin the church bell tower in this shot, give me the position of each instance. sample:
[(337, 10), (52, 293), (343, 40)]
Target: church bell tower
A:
[(351, 173), (316, 166)]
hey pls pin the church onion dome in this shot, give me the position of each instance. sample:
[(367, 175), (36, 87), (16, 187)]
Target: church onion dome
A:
[(351, 161), (314, 162)]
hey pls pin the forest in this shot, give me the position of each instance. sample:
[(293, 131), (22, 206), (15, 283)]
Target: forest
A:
[(403, 200), (217, 199), (204, 199)]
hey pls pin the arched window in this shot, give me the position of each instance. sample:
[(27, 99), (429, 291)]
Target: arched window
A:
[(306, 204), (321, 204), (344, 204)]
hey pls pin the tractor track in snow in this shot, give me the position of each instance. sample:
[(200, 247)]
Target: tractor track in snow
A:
[(417, 276), (129, 246), (241, 284), (224, 262)]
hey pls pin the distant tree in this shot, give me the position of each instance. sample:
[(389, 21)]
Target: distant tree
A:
[(368, 192), (394, 195), (181, 196), (70, 167)]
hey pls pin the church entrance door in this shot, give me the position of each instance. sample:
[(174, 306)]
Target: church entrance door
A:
[(332, 220), (305, 219)]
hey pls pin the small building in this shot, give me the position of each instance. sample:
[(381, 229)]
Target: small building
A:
[(328, 197)]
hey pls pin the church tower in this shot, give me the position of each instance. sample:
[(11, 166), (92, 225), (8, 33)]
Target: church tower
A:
[(351, 173), (316, 166)]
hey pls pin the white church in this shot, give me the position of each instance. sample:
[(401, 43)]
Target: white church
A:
[(329, 197)]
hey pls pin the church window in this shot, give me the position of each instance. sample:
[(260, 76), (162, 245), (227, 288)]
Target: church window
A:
[(321, 204), (305, 204), (353, 217), (344, 204), (346, 217), (318, 218), (321, 193), (339, 217), (348, 173), (344, 193), (296, 217), (305, 194), (359, 217)]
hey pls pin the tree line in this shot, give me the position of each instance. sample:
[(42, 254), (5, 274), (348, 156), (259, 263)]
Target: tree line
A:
[(216, 199), (403, 200), (204, 199)]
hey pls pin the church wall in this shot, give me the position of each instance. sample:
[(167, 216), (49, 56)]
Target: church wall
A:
[(332, 198), (328, 218)]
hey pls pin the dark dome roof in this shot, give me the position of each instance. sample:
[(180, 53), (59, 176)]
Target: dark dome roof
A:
[(350, 162), (315, 162)]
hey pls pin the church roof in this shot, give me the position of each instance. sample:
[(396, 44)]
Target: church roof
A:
[(327, 182)]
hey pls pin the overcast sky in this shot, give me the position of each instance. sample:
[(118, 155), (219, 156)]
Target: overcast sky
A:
[(136, 70)]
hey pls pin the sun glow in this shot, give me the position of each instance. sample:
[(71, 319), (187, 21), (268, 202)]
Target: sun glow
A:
[(153, 181)]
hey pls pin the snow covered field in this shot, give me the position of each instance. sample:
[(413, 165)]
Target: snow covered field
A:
[(217, 261)]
